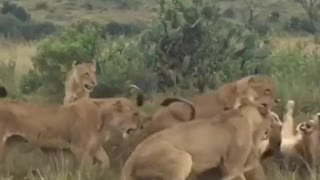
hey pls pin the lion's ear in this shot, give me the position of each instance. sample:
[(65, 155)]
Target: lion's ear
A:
[(118, 106), (251, 79)]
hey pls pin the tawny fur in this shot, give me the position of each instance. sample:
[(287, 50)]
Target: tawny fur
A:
[(76, 126), (207, 104), (80, 81), (82, 126), (303, 141), (176, 152)]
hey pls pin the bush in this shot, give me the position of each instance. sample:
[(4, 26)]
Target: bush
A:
[(127, 4), (229, 12), (296, 24), (11, 27), (186, 46), (274, 16), (56, 54), (123, 63), (87, 6), (189, 46), (19, 12), (33, 31), (41, 6), (115, 28)]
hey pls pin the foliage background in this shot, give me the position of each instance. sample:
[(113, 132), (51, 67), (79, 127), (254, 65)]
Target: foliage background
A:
[(165, 47)]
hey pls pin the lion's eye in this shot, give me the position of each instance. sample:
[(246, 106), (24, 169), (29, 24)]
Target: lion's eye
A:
[(87, 74)]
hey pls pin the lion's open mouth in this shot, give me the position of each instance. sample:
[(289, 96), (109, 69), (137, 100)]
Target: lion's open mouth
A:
[(88, 87)]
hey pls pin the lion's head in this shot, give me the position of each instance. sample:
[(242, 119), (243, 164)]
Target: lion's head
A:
[(85, 74), (120, 114), (307, 128), (259, 89)]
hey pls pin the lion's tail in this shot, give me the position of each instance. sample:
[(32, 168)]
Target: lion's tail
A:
[(140, 96), (171, 100), (3, 91)]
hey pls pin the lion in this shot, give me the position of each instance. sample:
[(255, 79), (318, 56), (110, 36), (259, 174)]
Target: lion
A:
[(304, 143), (259, 88), (127, 116), (81, 127), (76, 126), (268, 147), (80, 81), (271, 143), (177, 152), (157, 122)]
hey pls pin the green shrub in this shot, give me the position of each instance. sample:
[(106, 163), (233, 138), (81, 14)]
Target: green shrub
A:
[(115, 28), (56, 53), (190, 45), (13, 9), (11, 27), (123, 63), (34, 30), (41, 6), (297, 24), (229, 12)]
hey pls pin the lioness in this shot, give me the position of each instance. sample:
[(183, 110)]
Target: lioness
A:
[(127, 117), (159, 121), (258, 88), (224, 98), (81, 126), (77, 126), (176, 152), (80, 81), (304, 143)]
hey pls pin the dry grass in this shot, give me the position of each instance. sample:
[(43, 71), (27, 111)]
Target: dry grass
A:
[(20, 52), (308, 45)]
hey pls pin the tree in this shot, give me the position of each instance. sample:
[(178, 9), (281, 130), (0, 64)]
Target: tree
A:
[(310, 7)]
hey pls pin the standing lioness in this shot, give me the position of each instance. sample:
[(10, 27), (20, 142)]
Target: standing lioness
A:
[(224, 141), (80, 81)]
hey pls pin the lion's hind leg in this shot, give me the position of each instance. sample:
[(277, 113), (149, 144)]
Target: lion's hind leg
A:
[(165, 162), (103, 158)]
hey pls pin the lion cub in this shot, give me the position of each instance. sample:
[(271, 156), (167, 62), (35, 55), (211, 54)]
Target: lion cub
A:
[(176, 152), (80, 81)]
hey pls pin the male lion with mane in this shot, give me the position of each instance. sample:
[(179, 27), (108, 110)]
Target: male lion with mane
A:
[(80, 81), (176, 152)]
